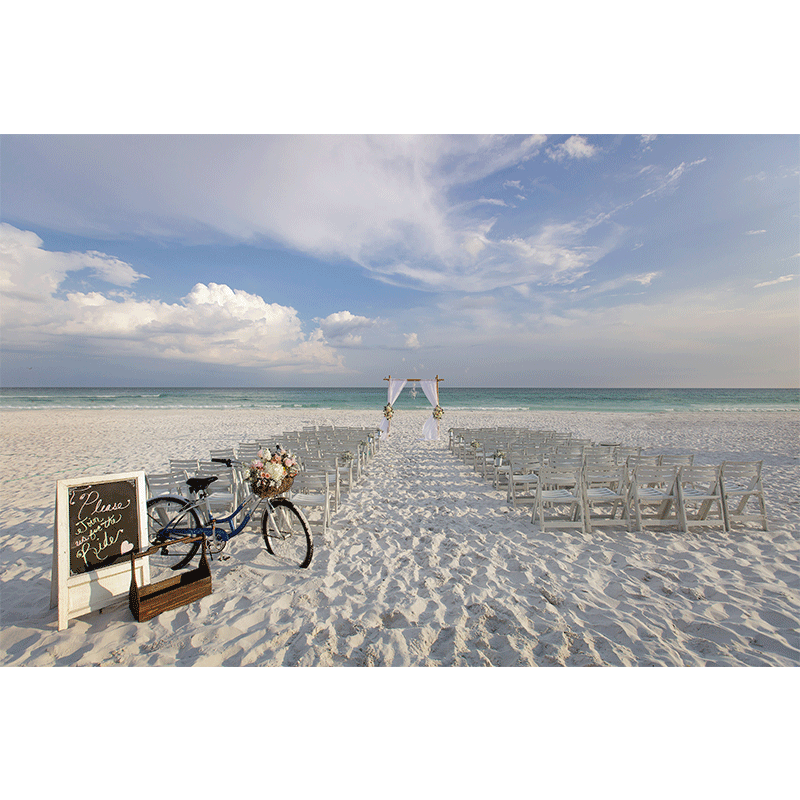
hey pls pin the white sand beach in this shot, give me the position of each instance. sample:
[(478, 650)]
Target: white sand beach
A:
[(425, 564)]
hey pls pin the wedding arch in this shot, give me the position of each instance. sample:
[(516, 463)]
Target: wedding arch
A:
[(430, 430)]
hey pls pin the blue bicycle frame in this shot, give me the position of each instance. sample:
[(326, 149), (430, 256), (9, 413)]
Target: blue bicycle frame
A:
[(210, 530)]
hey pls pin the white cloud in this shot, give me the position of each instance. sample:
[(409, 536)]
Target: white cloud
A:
[(782, 279), (389, 203), (646, 140), (28, 270), (668, 183), (575, 147), (554, 254), (213, 324), (412, 341), (753, 233), (341, 327), (380, 201), (553, 340)]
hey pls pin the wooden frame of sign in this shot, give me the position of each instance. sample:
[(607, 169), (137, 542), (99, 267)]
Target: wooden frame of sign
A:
[(99, 521)]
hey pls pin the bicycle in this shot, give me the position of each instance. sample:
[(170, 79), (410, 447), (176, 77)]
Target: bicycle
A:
[(177, 523)]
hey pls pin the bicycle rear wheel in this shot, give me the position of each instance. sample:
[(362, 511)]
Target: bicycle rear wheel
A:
[(165, 524), (286, 533)]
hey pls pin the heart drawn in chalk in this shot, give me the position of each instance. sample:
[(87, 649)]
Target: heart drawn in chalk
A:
[(126, 548)]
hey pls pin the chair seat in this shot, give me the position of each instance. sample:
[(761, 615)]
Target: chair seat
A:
[(600, 492), (738, 490), (557, 494), (697, 494), (651, 493)]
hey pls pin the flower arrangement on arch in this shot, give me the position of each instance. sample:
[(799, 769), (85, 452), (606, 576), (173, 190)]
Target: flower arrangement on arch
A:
[(269, 470), (438, 412), (388, 411)]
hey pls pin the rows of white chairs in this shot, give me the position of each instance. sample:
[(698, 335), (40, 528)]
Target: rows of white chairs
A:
[(571, 482), (332, 461)]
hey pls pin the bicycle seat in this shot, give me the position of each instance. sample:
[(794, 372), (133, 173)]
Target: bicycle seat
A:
[(200, 484)]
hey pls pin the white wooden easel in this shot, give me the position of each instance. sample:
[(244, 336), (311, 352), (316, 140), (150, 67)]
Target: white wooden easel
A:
[(76, 595)]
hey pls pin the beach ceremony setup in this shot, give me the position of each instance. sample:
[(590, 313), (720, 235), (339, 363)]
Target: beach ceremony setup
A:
[(511, 538), (399, 400)]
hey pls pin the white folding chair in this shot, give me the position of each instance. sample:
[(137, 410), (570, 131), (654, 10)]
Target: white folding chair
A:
[(699, 493), (315, 464), (600, 459), (624, 452), (741, 488), (311, 490), (224, 492), (654, 486), (159, 483), (562, 461), (604, 486), (559, 488), (348, 460), (665, 460), (502, 469), (181, 469), (227, 452), (523, 479), (247, 451)]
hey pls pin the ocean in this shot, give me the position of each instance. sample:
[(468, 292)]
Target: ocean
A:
[(643, 400)]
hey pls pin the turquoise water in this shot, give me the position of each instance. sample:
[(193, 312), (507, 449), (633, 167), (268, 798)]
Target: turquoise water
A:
[(648, 400)]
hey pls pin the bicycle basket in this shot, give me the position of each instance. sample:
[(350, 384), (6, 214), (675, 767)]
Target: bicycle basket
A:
[(262, 490)]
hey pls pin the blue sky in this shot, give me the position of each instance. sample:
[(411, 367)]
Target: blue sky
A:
[(335, 260)]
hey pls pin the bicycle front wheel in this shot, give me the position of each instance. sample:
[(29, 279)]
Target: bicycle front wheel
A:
[(286, 533), (168, 519)]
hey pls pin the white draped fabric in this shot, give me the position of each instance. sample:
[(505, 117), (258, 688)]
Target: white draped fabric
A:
[(395, 387), (430, 430)]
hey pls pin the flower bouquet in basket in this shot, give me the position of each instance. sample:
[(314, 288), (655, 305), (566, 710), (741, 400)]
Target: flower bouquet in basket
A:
[(272, 473)]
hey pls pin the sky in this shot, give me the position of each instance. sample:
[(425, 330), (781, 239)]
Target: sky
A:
[(563, 260)]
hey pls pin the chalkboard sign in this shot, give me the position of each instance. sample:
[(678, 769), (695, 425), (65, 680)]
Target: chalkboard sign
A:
[(99, 522), (103, 524)]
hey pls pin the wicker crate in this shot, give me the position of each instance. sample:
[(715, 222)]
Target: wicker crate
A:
[(149, 601)]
